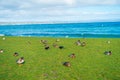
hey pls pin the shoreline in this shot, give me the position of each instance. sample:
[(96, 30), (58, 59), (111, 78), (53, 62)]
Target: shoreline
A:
[(60, 37), (67, 36)]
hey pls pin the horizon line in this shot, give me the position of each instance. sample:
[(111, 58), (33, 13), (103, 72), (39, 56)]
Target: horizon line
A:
[(59, 22)]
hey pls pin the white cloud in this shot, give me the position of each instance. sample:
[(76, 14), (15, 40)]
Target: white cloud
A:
[(98, 2), (70, 2), (55, 9), (11, 4)]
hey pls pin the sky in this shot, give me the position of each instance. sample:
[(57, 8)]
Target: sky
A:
[(59, 10)]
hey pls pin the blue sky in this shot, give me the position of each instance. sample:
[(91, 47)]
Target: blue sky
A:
[(59, 10)]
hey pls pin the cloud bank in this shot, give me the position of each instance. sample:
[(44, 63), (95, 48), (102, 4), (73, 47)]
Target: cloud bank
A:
[(60, 10)]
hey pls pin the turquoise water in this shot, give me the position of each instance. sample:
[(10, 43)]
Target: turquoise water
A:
[(88, 30)]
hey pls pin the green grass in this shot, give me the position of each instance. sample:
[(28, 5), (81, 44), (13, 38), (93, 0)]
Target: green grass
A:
[(40, 64)]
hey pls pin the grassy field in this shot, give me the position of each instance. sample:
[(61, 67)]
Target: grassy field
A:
[(90, 63)]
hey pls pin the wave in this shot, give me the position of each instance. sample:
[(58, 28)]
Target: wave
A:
[(2, 35), (69, 35)]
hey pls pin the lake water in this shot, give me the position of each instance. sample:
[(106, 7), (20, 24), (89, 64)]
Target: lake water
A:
[(88, 30)]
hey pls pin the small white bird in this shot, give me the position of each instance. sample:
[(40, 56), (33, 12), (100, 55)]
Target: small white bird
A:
[(57, 40), (3, 38), (108, 42)]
